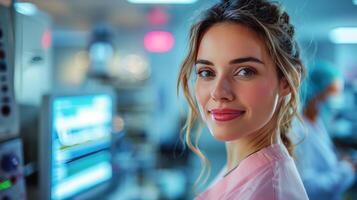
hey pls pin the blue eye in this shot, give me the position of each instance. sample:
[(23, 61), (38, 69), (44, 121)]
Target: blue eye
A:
[(246, 72), (205, 73)]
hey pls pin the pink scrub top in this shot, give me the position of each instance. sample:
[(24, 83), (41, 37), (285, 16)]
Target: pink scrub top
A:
[(269, 174)]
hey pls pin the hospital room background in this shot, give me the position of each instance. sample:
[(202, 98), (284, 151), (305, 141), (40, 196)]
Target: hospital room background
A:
[(88, 101)]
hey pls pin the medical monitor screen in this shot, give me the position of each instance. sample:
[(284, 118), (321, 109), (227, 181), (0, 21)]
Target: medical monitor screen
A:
[(81, 136)]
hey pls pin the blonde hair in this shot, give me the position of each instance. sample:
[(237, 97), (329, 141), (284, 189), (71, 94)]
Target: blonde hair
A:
[(273, 25)]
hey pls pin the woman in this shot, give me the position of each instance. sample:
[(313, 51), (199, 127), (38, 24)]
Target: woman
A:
[(248, 73), (323, 174)]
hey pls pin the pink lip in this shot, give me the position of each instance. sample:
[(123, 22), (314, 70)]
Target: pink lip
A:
[(226, 114)]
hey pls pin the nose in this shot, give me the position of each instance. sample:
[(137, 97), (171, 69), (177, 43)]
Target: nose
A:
[(222, 91)]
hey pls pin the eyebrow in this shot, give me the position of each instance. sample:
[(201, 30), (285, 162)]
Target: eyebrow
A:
[(234, 61)]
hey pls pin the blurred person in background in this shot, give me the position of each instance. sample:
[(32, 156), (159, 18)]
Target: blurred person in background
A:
[(325, 176), (248, 70)]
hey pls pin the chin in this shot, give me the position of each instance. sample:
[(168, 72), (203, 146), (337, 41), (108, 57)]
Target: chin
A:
[(225, 136)]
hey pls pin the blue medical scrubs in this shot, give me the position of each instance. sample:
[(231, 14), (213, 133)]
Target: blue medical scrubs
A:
[(325, 177)]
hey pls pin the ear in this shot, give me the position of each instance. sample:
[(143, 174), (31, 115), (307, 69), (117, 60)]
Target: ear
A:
[(284, 88)]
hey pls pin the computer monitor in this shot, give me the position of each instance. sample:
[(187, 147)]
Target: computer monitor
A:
[(75, 141)]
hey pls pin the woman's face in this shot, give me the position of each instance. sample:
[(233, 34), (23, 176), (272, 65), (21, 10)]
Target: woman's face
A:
[(237, 88)]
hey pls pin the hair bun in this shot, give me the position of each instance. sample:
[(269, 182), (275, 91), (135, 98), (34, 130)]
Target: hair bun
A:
[(284, 18), (284, 23)]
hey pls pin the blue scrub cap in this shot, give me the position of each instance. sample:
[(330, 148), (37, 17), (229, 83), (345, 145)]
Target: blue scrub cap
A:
[(320, 75)]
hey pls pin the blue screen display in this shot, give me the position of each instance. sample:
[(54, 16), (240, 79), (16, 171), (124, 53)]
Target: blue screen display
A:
[(81, 138)]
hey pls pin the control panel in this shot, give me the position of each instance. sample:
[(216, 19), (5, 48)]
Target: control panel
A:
[(12, 185), (9, 124)]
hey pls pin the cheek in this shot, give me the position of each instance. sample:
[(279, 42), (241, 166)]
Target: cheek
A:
[(260, 97), (202, 97)]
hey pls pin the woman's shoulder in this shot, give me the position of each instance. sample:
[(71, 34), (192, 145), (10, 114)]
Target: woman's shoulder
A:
[(278, 180), (287, 182), (267, 174)]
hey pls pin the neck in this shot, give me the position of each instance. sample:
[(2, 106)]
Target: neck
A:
[(240, 149)]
